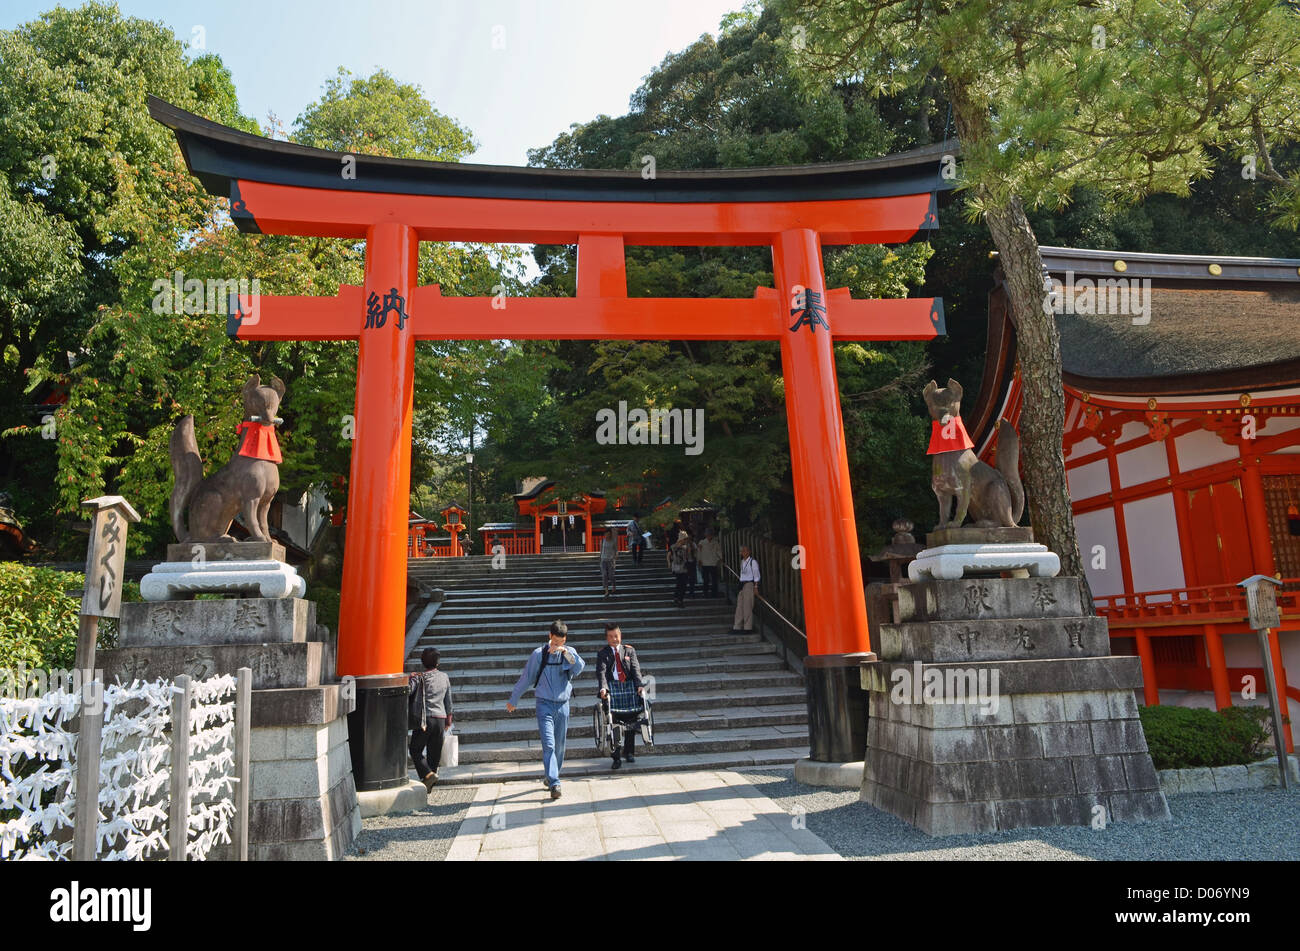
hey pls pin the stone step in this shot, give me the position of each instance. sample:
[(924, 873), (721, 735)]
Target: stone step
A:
[(489, 732), (527, 568), (650, 658), (462, 603), (773, 676), (589, 615), (511, 589), (542, 583), (481, 710), (722, 700), (720, 667), (652, 761), (713, 741), (645, 647), (719, 627)]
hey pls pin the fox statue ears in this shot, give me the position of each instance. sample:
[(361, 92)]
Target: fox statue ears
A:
[(953, 387), (255, 380)]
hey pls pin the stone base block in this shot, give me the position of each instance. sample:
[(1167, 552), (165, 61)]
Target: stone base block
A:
[(1015, 638), (834, 775), (951, 761), (171, 580), (983, 598), (273, 665), (225, 551), (973, 535), (950, 562), (231, 621), (304, 803), (412, 797), (293, 706), (1206, 779)]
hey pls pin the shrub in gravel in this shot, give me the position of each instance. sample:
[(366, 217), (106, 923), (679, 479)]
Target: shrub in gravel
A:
[(1251, 727), (1182, 737)]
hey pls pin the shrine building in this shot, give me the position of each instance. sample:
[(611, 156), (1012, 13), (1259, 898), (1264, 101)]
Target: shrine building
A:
[(1182, 451)]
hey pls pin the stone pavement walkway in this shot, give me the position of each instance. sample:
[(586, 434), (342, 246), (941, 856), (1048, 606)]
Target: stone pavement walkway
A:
[(713, 815)]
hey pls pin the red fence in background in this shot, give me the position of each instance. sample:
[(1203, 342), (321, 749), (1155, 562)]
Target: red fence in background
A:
[(1218, 604)]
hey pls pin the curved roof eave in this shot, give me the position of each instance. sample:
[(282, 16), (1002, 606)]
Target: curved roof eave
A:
[(220, 156)]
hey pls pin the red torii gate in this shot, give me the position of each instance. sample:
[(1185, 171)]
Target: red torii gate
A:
[(393, 204)]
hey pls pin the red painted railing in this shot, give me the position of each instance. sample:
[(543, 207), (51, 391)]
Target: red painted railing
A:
[(1208, 604), (513, 544)]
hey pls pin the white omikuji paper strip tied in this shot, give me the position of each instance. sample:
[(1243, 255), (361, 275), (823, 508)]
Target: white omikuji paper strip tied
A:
[(134, 772)]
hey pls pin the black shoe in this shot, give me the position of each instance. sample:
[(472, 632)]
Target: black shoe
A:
[(630, 758), (546, 782), (618, 763), (555, 791)]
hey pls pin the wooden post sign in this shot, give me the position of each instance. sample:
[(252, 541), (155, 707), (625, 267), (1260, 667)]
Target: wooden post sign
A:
[(1261, 601), (106, 555), (1261, 604), (105, 563)]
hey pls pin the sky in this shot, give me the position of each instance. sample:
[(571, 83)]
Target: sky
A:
[(517, 73)]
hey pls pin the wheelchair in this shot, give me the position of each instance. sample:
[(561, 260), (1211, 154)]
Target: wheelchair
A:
[(635, 709)]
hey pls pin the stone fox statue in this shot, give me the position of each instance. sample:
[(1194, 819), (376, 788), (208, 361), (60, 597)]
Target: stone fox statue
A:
[(994, 497), (246, 484)]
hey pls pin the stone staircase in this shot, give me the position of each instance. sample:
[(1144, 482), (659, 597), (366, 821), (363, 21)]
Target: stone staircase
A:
[(721, 700)]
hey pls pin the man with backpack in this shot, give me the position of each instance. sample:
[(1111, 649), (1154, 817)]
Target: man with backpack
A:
[(550, 671), (429, 716)]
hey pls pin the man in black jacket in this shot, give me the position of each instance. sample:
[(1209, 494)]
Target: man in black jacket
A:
[(617, 664)]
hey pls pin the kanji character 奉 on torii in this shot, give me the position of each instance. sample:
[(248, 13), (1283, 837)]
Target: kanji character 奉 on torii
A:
[(393, 204)]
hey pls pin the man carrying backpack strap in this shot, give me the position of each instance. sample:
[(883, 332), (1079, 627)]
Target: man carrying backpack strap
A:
[(550, 670)]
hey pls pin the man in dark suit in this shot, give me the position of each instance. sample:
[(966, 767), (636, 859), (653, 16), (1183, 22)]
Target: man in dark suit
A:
[(617, 664)]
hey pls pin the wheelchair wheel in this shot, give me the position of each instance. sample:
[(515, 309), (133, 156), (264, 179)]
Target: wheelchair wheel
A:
[(648, 724), (600, 726)]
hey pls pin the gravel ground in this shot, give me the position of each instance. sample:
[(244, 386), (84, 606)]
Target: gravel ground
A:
[(1247, 825), (418, 836)]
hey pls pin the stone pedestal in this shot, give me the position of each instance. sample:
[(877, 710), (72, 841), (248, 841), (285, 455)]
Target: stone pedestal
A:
[(184, 579), (996, 705), (302, 800)]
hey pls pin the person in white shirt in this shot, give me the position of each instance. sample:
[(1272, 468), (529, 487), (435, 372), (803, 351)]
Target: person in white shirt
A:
[(749, 578), (710, 556)]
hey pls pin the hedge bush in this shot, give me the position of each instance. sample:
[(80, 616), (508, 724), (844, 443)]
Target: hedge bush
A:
[(1182, 737), (39, 610), (38, 618)]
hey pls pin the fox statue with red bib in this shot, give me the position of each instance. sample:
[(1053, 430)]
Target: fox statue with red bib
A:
[(993, 497)]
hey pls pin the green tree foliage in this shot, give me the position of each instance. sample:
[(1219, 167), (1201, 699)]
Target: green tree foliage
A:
[(85, 175), (38, 617), (140, 360), (1124, 98), (377, 115), (730, 102)]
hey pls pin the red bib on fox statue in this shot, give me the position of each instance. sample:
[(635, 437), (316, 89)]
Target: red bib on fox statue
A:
[(945, 437), (260, 442)]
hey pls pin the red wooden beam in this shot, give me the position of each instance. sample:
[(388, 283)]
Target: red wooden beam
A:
[(434, 317)]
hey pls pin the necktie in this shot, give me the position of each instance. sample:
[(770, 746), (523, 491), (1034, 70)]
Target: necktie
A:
[(618, 665)]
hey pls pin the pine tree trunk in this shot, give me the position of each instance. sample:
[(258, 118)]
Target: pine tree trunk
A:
[(1042, 415)]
